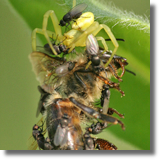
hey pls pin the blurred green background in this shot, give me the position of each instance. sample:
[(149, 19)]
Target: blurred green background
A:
[(19, 94)]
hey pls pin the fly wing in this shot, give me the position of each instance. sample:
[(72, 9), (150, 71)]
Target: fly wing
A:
[(77, 9), (43, 99), (92, 45), (44, 67), (32, 143), (60, 137)]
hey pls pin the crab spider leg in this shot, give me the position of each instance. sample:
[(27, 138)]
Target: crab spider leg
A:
[(55, 22), (95, 29), (56, 27), (103, 42), (111, 36), (40, 31), (74, 3), (47, 33)]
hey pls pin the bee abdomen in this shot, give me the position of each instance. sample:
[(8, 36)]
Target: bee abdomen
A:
[(104, 145)]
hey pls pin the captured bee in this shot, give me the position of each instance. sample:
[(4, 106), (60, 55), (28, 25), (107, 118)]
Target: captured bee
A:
[(73, 14), (69, 91), (64, 129), (65, 132)]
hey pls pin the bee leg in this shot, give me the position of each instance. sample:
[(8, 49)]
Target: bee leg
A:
[(95, 114), (122, 64), (111, 84), (113, 70), (79, 80), (105, 98), (105, 102), (111, 111)]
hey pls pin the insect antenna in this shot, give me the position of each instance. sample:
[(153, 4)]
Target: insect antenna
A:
[(118, 39), (131, 72)]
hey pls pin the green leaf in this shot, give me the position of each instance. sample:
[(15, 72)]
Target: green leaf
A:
[(136, 48)]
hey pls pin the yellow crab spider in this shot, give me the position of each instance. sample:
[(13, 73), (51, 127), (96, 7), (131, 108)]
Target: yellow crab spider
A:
[(81, 28)]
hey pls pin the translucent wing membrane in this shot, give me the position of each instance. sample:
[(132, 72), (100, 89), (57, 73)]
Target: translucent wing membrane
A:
[(92, 45), (77, 9)]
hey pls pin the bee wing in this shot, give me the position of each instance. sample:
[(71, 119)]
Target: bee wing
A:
[(44, 67), (32, 143), (44, 96), (77, 9), (60, 137), (92, 45)]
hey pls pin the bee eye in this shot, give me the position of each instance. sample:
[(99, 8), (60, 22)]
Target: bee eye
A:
[(95, 60)]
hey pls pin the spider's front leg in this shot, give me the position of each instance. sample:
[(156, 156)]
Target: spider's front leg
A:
[(39, 31), (57, 28), (113, 39), (57, 35)]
